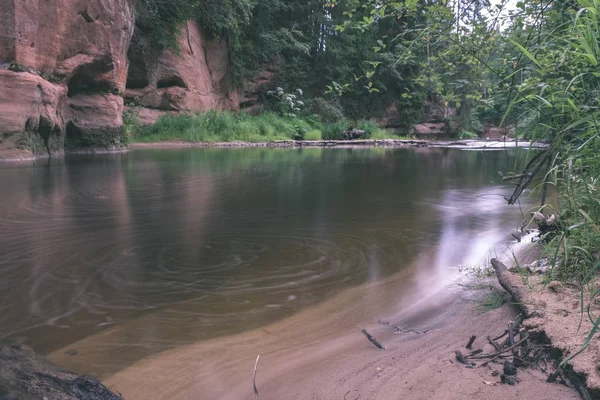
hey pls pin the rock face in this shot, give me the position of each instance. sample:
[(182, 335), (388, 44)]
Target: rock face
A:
[(431, 129), (195, 78), (255, 87), (27, 376), (64, 64), (31, 116)]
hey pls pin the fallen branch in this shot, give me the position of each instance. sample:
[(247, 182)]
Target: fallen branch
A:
[(496, 345), (471, 340), (513, 177), (511, 335), (499, 353), (501, 336), (531, 170), (513, 285), (254, 377), (471, 354), (372, 339)]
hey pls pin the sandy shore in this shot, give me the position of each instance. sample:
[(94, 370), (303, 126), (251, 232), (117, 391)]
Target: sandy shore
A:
[(418, 363), (320, 353)]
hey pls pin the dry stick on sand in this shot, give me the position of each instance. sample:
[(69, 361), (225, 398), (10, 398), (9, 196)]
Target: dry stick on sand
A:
[(471, 340), (254, 377), (372, 339), (496, 345), (499, 353)]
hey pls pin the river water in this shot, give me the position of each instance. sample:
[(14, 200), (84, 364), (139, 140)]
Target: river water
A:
[(214, 242)]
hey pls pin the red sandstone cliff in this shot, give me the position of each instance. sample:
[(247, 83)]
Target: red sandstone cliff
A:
[(195, 78), (64, 69)]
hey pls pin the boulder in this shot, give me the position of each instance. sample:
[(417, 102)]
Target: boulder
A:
[(27, 376)]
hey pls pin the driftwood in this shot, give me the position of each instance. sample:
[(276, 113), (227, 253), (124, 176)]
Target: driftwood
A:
[(254, 377), (496, 345), (501, 336), (471, 340), (500, 353), (514, 285), (372, 339), (475, 352), (511, 334)]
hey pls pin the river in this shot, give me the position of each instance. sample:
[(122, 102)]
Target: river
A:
[(172, 247)]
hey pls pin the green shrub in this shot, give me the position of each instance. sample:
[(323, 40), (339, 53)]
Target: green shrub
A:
[(328, 112), (215, 126), (380, 134), (372, 129), (315, 134), (465, 134), (335, 130), (131, 122)]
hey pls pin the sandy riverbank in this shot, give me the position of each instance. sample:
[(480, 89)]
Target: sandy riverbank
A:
[(320, 353), (418, 363)]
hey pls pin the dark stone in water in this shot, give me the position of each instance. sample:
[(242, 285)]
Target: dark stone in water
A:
[(26, 376)]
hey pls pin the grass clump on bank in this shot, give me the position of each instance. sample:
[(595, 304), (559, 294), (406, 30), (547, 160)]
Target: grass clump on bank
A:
[(226, 126)]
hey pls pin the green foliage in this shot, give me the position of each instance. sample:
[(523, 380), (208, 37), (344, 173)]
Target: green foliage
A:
[(464, 134), (335, 130), (491, 300), (219, 127), (131, 122), (286, 104), (229, 127), (554, 87), (372, 129), (326, 111), (159, 24), (315, 134)]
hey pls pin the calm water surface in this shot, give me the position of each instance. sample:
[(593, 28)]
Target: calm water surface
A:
[(219, 241)]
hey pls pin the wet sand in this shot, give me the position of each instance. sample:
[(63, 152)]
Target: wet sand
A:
[(320, 353)]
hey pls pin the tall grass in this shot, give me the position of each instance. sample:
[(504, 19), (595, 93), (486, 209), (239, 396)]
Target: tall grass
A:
[(222, 127), (560, 98), (215, 126)]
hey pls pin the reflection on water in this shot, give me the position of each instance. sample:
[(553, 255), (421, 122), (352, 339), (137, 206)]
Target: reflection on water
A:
[(217, 241)]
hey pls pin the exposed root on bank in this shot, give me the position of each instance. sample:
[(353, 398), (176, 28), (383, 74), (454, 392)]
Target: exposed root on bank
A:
[(525, 344)]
